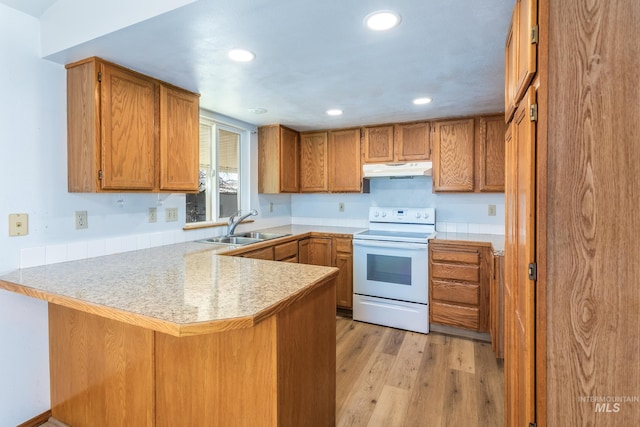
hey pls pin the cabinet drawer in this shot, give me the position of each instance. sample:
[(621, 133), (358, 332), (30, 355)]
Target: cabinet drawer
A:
[(286, 250), (467, 257), (264, 253), (455, 315), (464, 293), (470, 273), (343, 244)]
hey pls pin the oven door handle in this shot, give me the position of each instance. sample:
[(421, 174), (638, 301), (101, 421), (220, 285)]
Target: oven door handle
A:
[(384, 244)]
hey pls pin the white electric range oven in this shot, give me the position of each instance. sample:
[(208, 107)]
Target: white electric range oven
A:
[(390, 262)]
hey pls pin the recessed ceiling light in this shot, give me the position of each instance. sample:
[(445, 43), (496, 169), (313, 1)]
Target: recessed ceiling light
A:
[(421, 101), (241, 55), (257, 110), (382, 20), (334, 112)]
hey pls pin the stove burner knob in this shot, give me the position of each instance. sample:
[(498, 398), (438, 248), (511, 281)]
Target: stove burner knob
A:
[(426, 215), (376, 214), (418, 215), (384, 214)]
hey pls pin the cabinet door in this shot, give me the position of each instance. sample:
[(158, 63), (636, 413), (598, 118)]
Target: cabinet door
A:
[(344, 282), (378, 144), (490, 154), (454, 156), (289, 160), (345, 170), (412, 141), (313, 162), (316, 251), (179, 140), (519, 294), (510, 56), (527, 45), (128, 133)]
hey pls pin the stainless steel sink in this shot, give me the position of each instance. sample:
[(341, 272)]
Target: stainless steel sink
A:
[(261, 236), (231, 240), (244, 238)]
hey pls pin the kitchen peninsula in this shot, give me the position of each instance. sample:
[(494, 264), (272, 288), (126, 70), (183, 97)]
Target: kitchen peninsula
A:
[(178, 335)]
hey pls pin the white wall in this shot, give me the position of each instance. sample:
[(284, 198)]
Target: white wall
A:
[(33, 180), (454, 212)]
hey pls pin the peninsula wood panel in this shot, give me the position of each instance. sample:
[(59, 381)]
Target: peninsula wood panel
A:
[(454, 156), (101, 370), (490, 154), (412, 141), (345, 169), (307, 361), (592, 251), (313, 162), (179, 140), (195, 377)]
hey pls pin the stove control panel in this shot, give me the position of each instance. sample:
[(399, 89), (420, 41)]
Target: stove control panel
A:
[(402, 215)]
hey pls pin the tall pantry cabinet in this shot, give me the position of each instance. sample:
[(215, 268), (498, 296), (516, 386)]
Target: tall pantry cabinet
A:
[(586, 260), (520, 163)]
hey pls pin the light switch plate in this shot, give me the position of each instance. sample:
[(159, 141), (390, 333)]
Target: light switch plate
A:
[(153, 214), (171, 214), (18, 224), (492, 210)]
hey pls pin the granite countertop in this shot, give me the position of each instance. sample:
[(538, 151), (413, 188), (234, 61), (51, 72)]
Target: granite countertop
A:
[(180, 289), (496, 240)]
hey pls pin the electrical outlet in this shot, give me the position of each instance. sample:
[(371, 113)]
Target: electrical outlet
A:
[(492, 210), (82, 220), (18, 224), (271, 207), (341, 207), (153, 214), (171, 214)]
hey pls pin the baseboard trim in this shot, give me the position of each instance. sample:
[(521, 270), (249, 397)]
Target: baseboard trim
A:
[(37, 420), (465, 333)]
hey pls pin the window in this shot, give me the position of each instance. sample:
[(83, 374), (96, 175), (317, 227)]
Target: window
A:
[(221, 183)]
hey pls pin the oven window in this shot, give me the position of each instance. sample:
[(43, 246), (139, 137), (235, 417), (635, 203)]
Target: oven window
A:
[(390, 269)]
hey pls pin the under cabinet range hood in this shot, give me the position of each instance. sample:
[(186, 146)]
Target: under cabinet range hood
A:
[(392, 170)]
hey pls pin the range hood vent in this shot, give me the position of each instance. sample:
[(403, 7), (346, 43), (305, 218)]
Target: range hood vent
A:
[(392, 170)]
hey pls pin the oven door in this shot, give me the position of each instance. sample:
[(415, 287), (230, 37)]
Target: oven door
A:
[(391, 270)]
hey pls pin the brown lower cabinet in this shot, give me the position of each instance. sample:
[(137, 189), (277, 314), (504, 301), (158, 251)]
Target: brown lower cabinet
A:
[(330, 251), (459, 281)]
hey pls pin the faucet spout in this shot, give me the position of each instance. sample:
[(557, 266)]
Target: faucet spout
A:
[(237, 218)]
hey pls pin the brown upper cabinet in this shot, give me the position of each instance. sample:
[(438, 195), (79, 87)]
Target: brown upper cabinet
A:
[(454, 156), (468, 154), (313, 162), (345, 169), (128, 131), (490, 153), (520, 53), (278, 159), (330, 161), (396, 143)]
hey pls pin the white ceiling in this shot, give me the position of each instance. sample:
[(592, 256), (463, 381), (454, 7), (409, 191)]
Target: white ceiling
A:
[(316, 55)]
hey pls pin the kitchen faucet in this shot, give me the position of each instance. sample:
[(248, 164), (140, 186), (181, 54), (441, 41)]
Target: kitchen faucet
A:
[(236, 219)]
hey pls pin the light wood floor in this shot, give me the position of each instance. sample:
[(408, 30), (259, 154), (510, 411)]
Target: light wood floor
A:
[(387, 377)]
